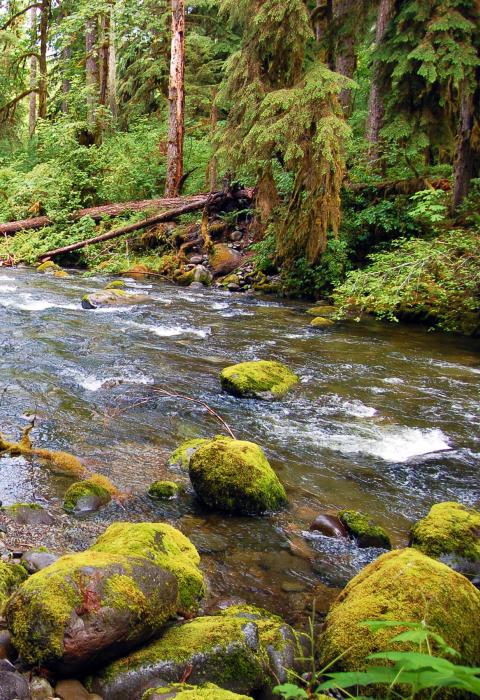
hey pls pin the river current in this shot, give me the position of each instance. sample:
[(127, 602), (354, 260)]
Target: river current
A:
[(385, 419)]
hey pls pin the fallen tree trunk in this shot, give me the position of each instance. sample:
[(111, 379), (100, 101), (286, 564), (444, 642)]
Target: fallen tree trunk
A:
[(98, 213), (208, 203), (406, 187)]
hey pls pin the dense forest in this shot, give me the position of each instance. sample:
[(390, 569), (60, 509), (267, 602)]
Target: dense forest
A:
[(239, 312)]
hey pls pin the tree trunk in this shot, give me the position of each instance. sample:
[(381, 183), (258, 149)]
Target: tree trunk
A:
[(376, 110), (104, 58), (112, 66), (464, 157), (32, 113), (212, 171), (42, 64), (176, 99), (345, 60), (91, 70), (66, 56)]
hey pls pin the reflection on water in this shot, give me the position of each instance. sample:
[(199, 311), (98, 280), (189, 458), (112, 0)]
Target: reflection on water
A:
[(384, 419)]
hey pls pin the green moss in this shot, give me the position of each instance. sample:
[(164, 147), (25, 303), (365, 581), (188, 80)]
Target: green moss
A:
[(15, 507), (116, 284), (324, 310), (163, 490), (11, 576), (85, 489), (269, 625), (122, 593), (48, 266), (235, 476), (260, 379), (166, 547), (182, 691), (448, 528), (320, 322), (401, 585), (363, 530), (182, 455)]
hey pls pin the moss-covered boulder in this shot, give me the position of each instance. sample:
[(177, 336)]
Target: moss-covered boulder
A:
[(262, 379), (112, 297), (183, 691), (236, 477), (234, 650), (181, 457), (85, 497), (116, 284), (402, 585), (105, 601), (51, 268), (29, 514), (363, 530), (323, 310), (11, 576), (449, 528), (224, 260), (320, 322), (163, 490)]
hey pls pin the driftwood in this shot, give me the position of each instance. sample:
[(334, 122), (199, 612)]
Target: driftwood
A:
[(208, 202), (98, 213)]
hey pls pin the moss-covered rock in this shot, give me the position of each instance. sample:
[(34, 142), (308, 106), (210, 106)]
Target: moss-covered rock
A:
[(268, 287), (183, 691), (320, 322), (11, 576), (181, 457), (323, 310), (29, 514), (449, 528), (262, 379), (233, 650), (112, 297), (236, 477), (163, 490), (85, 497), (107, 600), (224, 260), (402, 585), (48, 267), (116, 284), (363, 530), (166, 547)]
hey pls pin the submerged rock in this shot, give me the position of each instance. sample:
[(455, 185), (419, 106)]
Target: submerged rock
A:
[(13, 686), (324, 310), (329, 525), (262, 379), (107, 600), (363, 530), (163, 490), (449, 528), (29, 514), (182, 691), (85, 497), (235, 476), (112, 297), (403, 585), (181, 457), (243, 649)]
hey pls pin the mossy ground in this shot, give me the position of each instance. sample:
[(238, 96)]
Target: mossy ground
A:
[(258, 379), (402, 585), (449, 528), (235, 476)]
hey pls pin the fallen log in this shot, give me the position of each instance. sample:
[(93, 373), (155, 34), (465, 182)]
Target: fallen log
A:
[(406, 187), (98, 213), (213, 201)]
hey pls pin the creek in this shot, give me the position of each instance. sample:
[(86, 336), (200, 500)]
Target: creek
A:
[(384, 419)]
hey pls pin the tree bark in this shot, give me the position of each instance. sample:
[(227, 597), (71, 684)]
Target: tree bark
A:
[(91, 70), (66, 56), (42, 63), (32, 112), (345, 60), (464, 157), (212, 171), (376, 109), (104, 58), (176, 99), (112, 66)]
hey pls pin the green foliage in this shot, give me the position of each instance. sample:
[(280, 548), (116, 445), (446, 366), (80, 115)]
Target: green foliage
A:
[(434, 281)]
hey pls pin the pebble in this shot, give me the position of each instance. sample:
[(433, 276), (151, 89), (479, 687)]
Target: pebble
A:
[(236, 236), (40, 689), (329, 525), (196, 259)]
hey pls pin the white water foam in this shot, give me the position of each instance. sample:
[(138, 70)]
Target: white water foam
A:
[(393, 380), (28, 304), (172, 331), (90, 382), (5, 288), (333, 403)]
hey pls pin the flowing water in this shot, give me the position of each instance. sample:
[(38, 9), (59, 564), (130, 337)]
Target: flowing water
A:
[(385, 419)]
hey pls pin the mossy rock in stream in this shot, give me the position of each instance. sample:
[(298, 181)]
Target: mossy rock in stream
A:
[(11, 577), (85, 497), (163, 490), (116, 284), (241, 650), (406, 586), (320, 322), (262, 379), (181, 457), (112, 297), (236, 477), (323, 310), (449, 528), (183, 691), (51, 268), (107, 600), (29, 514), (363, 530)]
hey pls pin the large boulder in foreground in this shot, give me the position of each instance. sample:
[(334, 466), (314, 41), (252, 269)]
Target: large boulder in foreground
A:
[(102, 602), (243, 650), (261, 379), (182, 691), (402, 585), (112, 297), (13, 686), (449, 528), (236, 477)]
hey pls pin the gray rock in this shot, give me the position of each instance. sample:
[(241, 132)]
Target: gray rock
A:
[(236, 236), (196, 285), (71, 690), (112, 297), (29, 514), (13, 686), (232, 287), (196, 259), (35, 560), (40, 689)]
